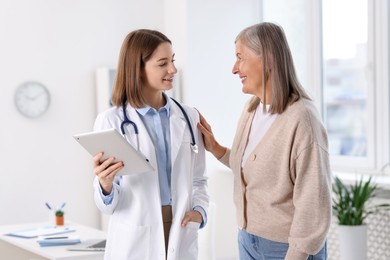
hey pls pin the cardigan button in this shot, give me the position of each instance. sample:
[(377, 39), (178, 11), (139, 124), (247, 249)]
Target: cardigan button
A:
[(253, 157)]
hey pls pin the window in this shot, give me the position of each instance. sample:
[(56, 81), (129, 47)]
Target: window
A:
[(352, 41), (341, 52)]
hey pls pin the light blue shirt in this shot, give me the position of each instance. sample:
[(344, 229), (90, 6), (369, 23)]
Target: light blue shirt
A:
[(157, 125)]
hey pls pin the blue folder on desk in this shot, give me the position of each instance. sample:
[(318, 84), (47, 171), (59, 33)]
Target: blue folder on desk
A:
[(40, 231), (58, 240)]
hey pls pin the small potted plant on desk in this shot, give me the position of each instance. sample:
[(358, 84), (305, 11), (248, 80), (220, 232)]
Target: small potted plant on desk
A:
[(60, 215), (59, 218), (351, 206)]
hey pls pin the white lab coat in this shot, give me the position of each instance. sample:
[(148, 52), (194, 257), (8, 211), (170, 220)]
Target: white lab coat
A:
[(136, 229)]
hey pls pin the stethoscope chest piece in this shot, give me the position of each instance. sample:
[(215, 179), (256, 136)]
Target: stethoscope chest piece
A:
[(194, 148)]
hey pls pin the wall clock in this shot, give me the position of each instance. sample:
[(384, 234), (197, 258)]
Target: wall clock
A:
[(32, 99)]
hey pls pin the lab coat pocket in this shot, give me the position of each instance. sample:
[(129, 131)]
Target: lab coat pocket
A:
[(189, 244), (129, 242)]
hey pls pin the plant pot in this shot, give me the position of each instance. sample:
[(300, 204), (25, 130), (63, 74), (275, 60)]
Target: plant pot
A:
[(353, 242), (59, 220)]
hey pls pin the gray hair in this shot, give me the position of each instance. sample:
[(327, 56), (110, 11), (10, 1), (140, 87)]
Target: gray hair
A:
[(269, 42)]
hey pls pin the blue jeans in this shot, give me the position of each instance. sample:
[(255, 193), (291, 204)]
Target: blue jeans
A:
[(251, 247)]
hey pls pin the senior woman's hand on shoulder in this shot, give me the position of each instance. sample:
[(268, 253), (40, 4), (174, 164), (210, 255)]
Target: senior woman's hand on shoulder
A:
[(210, 143)]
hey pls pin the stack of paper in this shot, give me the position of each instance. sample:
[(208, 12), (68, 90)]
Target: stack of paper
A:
[(58, 240), (41, 231)]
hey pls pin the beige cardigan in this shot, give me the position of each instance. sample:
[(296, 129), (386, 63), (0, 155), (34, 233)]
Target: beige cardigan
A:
[(283, 193)]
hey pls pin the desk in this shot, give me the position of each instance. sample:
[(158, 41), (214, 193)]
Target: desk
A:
[(28, 249)]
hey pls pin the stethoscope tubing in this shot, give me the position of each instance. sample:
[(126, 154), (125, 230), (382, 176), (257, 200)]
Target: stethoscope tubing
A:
[(126, 120)]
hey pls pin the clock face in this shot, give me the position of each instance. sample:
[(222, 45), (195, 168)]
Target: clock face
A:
[(32, 99)]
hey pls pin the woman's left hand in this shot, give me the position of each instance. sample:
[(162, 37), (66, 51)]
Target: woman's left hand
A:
[(191, 216)]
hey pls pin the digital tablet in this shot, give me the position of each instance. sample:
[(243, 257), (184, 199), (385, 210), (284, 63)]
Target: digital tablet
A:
[(112, 143)]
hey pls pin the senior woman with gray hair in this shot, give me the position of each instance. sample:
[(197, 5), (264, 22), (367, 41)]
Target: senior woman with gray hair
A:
[(279, 157)]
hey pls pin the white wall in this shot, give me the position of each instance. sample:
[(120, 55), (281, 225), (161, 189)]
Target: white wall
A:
[(59, 43)]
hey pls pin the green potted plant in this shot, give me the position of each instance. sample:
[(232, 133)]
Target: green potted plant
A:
[(352, 204), (59, 217), (59, 213)]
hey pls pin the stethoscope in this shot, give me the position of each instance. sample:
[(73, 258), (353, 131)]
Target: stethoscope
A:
[(126, 120)]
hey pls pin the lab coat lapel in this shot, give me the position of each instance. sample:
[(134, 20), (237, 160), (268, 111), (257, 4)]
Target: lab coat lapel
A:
[(177, 127)]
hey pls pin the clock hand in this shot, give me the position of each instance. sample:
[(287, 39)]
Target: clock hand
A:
[(35, 96), (28, 97)]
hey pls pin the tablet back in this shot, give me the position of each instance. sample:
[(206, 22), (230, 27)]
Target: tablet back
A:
[(112, 143)]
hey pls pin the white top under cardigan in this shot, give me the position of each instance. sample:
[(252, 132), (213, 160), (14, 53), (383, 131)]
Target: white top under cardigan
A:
[(260, 125)]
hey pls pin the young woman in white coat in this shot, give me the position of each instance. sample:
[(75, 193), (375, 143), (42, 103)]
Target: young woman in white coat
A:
[(156, 214)]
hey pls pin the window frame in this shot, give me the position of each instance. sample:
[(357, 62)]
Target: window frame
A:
[(378, 98)]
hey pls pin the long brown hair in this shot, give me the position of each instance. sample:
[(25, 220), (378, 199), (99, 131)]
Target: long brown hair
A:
[(269, 42), (136, 50)]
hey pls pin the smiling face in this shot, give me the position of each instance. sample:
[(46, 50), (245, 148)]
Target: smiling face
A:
[(249, 68), (159, 70)]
